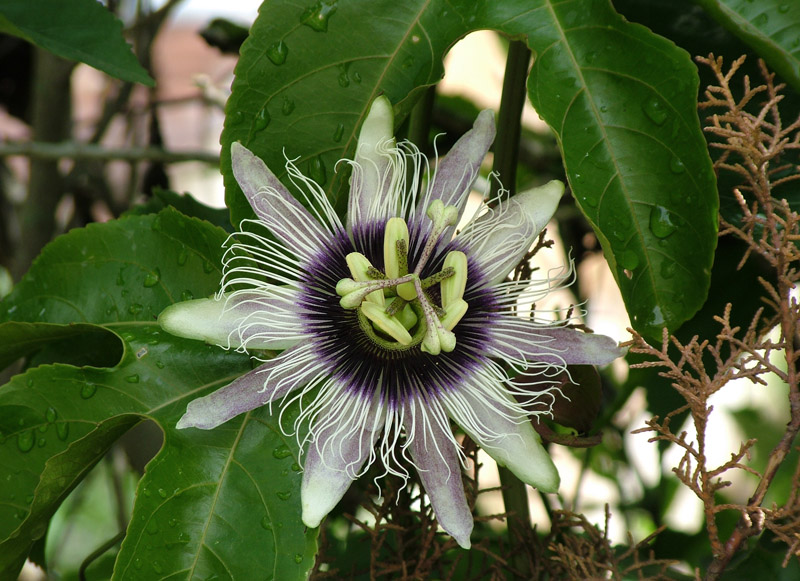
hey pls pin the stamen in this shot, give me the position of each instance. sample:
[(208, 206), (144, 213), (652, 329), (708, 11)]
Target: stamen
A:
[(360, 268), (395, 248), (405, 290), (389, 325), (438, 277), (353, 292), (453, 287), (454, 313)]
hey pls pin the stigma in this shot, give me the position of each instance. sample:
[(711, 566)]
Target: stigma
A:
[(395, 307)]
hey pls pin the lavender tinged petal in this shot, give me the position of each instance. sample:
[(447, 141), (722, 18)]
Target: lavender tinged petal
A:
[(255, 320), (437, 462), (499, 239), (266, 383), (512, 443), (334, 459), (515, 338), (456, 173), (371, 180), (284, 216)]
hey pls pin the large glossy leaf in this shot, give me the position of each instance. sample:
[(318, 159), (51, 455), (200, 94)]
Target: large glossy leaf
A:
[(770, 27), (78, 30), (57, 420), (621, 100)]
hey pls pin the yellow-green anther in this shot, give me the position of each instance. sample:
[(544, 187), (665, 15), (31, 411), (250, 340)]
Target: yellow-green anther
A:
[(447, 339), (395, 265), (437, 277), (389, 325), (347, 286), (360, 268), (395, 306), (407, 316), (453, 287), (455, 311)]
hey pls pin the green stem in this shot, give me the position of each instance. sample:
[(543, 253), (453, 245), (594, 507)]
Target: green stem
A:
[(515, 499), (506, 144)]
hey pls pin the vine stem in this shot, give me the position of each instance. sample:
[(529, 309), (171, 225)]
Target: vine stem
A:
[(506, 154)]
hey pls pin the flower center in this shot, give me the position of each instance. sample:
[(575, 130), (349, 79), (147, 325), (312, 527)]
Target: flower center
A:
[(395, 309)]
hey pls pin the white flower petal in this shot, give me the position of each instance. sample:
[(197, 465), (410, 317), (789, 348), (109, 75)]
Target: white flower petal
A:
[(251, 319), (456, 172), (371, 181), (275, 207), (520, 341), (266, 383), (498, 239), (434, 453), (510, 440), (334, 459)]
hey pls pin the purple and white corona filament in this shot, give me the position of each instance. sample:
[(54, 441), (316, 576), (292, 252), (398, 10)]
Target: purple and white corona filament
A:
[(397, 324)]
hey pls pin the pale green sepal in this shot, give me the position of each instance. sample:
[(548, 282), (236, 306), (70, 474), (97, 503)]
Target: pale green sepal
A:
[(396, 229), (389, 325), (453, 287), (216, 322)]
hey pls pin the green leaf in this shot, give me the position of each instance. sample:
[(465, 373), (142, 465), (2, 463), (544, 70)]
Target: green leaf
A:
[(621, 100), (22, 339), (57, 420), (78, 30), (770, 27)]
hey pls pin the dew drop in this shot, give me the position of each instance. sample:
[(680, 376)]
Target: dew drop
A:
[(284, 495), (661, 224), (152, 278), (160, 364), (62, 430), (783, 8), (676, 165), (278, 52), (132, 378), (317, 15), (357, 77), (235, 118), (157, 567), (655, 110), (266, 523), (262, 119), (629, 260), (296, 467), (50, 415), (43, 427), (408, 62), (761, 19), (298, 558), (207, 266), (26, 440), (137, 563), (162, 493), (135, 308), (187, 295), (344, 77), (668, 268), (590, 201), (41, 442), (173, 522), (603, 108), (183, 257), (337, 135), (152, 527), (316, 170), (281, 452), (88, 390), (288, 106), (184, 537), (120, 279)]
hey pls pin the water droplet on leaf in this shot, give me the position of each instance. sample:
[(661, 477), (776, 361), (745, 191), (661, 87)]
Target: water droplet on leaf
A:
[(157, 567), (132, 378), (187, 295), (62, 430), (207, 266), (298, 558), (668, 268), (266, 523), (183, 257), (162, 493), (262, 119), (278, 52), (42, 442), (655, 110), (152, 278), (281, 452), (676, 165), (50, 415), (317, 15), (235, 118), (288, 106), (661, 224), (88, 390), (316, 170), (26, 440), (135, 308), (284, 495), (629, 260), (152, 527), (337, 135)]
